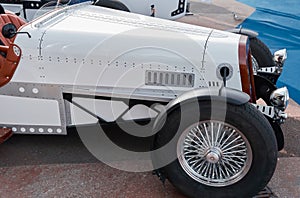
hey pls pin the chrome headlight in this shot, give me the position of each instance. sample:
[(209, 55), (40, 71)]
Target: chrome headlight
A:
[(280, 56), (279, 98)]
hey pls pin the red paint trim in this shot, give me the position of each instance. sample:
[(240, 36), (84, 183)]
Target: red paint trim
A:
[(246, 70)]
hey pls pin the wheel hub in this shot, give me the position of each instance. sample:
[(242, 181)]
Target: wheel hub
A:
[(213, 156)]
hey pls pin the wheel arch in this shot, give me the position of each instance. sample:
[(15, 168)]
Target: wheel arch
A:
[(224, 94), (246, 32)]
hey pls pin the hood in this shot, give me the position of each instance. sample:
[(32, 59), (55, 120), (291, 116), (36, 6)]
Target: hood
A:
[(92, 37)]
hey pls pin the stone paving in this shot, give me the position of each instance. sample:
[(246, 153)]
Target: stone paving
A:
[(286, 180), (100, 180), (219, 14), (40, 166)]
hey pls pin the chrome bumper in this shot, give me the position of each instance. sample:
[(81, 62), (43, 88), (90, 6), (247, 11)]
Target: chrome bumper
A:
[(279, 99)]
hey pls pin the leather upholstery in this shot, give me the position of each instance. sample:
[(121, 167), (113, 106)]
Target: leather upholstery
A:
[(9, 18)]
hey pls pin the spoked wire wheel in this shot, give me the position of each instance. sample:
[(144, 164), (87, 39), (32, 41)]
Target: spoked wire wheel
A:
[(214, 153)]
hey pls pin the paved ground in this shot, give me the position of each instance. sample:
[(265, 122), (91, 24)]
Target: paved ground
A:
[(219, 14), (49, 166), (98, 180)]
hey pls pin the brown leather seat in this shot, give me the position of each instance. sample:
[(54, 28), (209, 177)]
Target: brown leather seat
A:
[(8, 59), (9, 62), (9, 18)]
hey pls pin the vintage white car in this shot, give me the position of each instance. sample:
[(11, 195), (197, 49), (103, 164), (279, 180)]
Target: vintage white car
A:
[(195, 86)]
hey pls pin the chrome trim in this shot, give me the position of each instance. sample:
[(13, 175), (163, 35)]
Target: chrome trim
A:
[(280, 98), (269, 70), (280, 56), (272, 112)]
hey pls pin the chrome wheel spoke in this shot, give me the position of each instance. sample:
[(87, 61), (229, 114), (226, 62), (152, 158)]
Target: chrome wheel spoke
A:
[(230, 143), (206, 133), (224, 142), (242, 151), (206, 143), (218, 134), (212, 133), (200, 143), (199, 167), (233, 163), (237, 145)]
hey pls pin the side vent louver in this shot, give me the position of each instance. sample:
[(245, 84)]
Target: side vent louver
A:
[(213, 84), (159, 78)]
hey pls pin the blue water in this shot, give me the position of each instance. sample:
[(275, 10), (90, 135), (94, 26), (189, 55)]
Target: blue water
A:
[(278, 25)]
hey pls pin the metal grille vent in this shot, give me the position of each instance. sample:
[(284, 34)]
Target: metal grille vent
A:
[(268, 69), (266, 110), (213, 84), (176, 79)]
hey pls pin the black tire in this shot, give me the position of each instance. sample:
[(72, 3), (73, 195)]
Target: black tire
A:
[(113, 4), (262, 57), (261, 53), (264, 88), (255, 130)]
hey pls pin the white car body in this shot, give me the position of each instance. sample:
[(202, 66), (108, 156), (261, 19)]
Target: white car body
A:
[(89, 50)]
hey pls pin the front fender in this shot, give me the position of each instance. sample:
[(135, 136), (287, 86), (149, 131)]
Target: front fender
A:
[(224, 94), (278, 133), (246, 32)]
